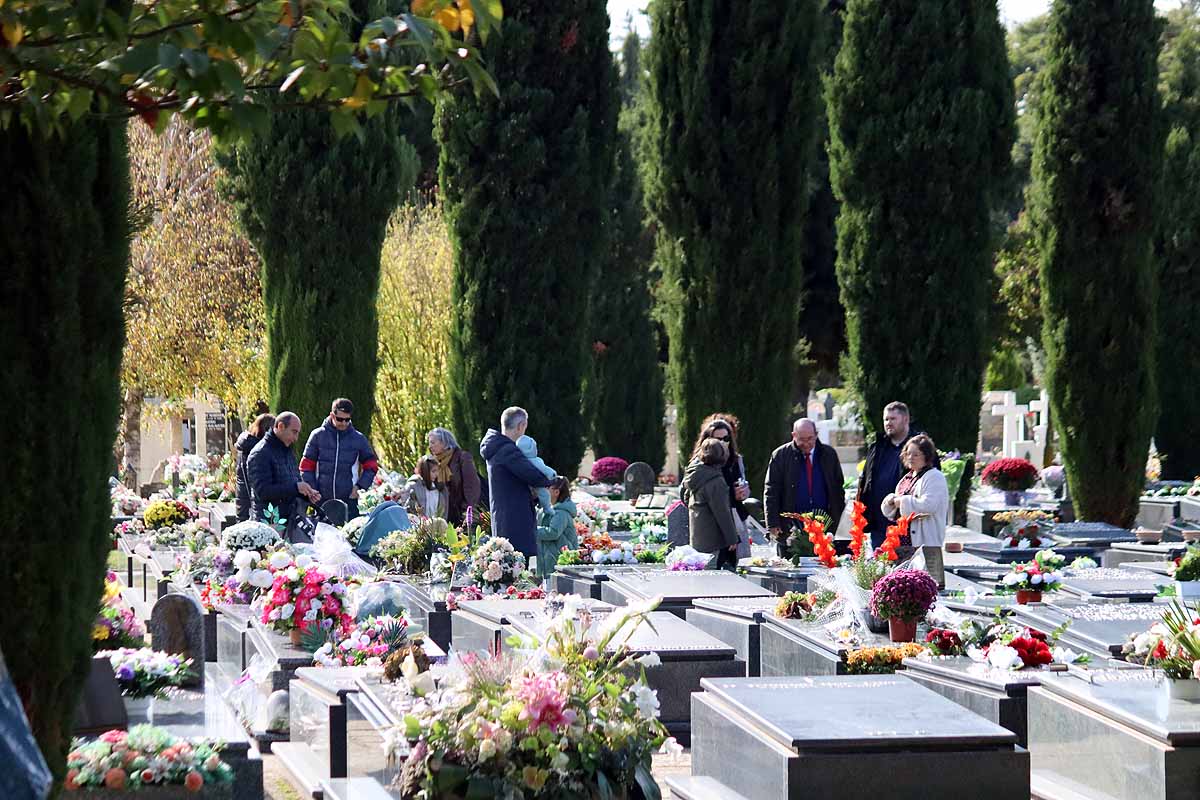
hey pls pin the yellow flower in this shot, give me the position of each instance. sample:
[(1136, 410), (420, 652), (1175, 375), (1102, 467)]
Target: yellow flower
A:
[(362, 93), (13, 32), (100, 632), (448, 19), (534, 778)]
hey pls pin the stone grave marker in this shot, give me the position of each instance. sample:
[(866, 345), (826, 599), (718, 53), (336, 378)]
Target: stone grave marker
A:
[(677, 589), (639, 480), (850, 736), (678, 533), (1112, 583), (177, 626), (1097, 628), (1135, 740)]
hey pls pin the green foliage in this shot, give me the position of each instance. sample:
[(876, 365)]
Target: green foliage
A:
[(1177, 249), (623, 395), (223, 66), (65, 240), (734, 96), (1096, 165), (411, 396), (921, 124), (525, 180), (316, 207), (1004, 371)]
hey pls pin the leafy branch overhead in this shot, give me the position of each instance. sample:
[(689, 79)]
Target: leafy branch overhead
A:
[(223, 64)]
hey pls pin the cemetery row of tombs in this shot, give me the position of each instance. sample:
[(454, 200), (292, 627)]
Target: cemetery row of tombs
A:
[(1058, 656)]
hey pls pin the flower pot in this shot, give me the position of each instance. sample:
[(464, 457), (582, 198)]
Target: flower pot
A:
[(1146, 536), (902, 630), (876, 624), (1191, 535), (1026, 596), (296, 636), (1187, 590), (954, 547), (1184, 689), (1013, 498)]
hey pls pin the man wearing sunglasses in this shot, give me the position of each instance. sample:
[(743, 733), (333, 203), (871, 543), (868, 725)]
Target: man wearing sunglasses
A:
[(338, 460)]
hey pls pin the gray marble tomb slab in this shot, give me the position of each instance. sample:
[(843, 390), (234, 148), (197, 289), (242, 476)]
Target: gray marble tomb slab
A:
[(1111, 583), (737, 621), (1156, 512), (1100, 629), (1117, 736), (1189, 508), (317, 709), (1125, 553), (677, 589), (791, 647), (849, 736)]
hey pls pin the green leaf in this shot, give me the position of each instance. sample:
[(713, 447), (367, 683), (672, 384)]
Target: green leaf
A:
[(412, 726), (450, 777), (197, 62), (77, 106), (480, 789), (602, 783), (139, 59), (645, 781), (168, 56), (488, 14)]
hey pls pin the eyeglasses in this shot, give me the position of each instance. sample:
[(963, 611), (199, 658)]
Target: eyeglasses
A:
[(336, 418)]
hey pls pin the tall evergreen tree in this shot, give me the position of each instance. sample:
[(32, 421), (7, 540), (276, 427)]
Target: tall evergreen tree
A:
[(921, 125), (65, 239), (734, 93), (525, 179), (1177, 249), (623, 395), (316, 207), (1096, 162)]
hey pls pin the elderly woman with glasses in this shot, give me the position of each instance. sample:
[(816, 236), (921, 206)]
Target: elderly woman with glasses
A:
[(456, 471)]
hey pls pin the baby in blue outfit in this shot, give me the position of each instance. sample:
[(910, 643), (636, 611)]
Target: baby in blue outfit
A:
[(529, 448)]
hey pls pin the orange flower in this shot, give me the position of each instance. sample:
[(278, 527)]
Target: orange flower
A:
[(114, 778), (194, 782), (858, 529), (822, 542)]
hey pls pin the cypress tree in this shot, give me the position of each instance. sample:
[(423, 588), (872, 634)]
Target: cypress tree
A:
[(921, 124), (1096, 161), (734, 96), (65, 239), (1177, 249), (525, 180), (316, 207)]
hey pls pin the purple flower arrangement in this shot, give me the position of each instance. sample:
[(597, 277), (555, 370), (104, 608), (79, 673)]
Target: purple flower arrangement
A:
[(904, 594), (609, 469)]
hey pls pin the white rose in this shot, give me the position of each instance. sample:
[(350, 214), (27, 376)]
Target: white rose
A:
[(292, 574), (244, 559), (646, 700), (304, 561), (650, 660), (1035, 579), (310, 615), (487, 749), (260, 579), (1004, 657), (280, 559), (286, 611), (1011, 579)]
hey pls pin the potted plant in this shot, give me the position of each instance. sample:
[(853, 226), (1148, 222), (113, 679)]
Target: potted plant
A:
[(1186, 573), (1172, 645), (903, 597), (1013, 476), (1030, 580), (301, 598)]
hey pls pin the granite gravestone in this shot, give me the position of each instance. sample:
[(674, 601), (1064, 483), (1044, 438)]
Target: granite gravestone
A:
[(849, 736), (177, 627), (1102, 629), (678, 533), (639, 480)]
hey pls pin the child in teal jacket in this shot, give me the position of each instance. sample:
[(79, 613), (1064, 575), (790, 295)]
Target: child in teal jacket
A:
[(557, 529)]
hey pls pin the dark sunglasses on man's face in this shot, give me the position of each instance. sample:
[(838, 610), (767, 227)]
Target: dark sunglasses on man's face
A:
[(336, 418)]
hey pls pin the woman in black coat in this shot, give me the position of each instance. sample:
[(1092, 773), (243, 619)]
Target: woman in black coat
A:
[(245, 443)]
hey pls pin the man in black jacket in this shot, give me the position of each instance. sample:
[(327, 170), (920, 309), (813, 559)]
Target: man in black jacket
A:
[(883, 469), (803, 475), (274, 474)]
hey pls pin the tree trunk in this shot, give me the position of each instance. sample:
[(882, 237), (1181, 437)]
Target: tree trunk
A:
[(131, 435)]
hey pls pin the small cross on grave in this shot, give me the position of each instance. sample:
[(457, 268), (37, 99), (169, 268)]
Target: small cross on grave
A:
[(1014, 422)]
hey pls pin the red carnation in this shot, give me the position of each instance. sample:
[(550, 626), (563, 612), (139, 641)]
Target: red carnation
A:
[(1033, 652), (1010, 474)]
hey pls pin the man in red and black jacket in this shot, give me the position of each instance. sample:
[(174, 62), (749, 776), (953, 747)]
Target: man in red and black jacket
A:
[(338, 460)]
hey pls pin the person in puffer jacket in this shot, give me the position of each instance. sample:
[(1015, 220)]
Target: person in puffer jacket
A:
[(338, 460)]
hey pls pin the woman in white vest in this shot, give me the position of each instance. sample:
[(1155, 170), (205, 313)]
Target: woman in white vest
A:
[(922, 491)]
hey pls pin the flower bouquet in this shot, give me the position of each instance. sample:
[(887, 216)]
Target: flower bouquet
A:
[(813, 530), (116, 625), (145, 756), (686, 559), (249, 535), (496, 564), (1186, 572), (125, 503), (1024, 527), (806, 606), (194, 535), (162, 513), (352, 530), (1172, 645), (1008, 646), (386, 486), (651, 555), (302, 597), (147, 673), (132, 527), (369, 644), (903, 597), (609, 469), (880, 660), (945, 642), (1029, 581), (410, 552), (576, 720), (1011, 476)]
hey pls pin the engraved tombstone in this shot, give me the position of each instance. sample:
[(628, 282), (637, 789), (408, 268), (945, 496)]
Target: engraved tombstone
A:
[(639, 480), (177, 626), (678, 533)]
